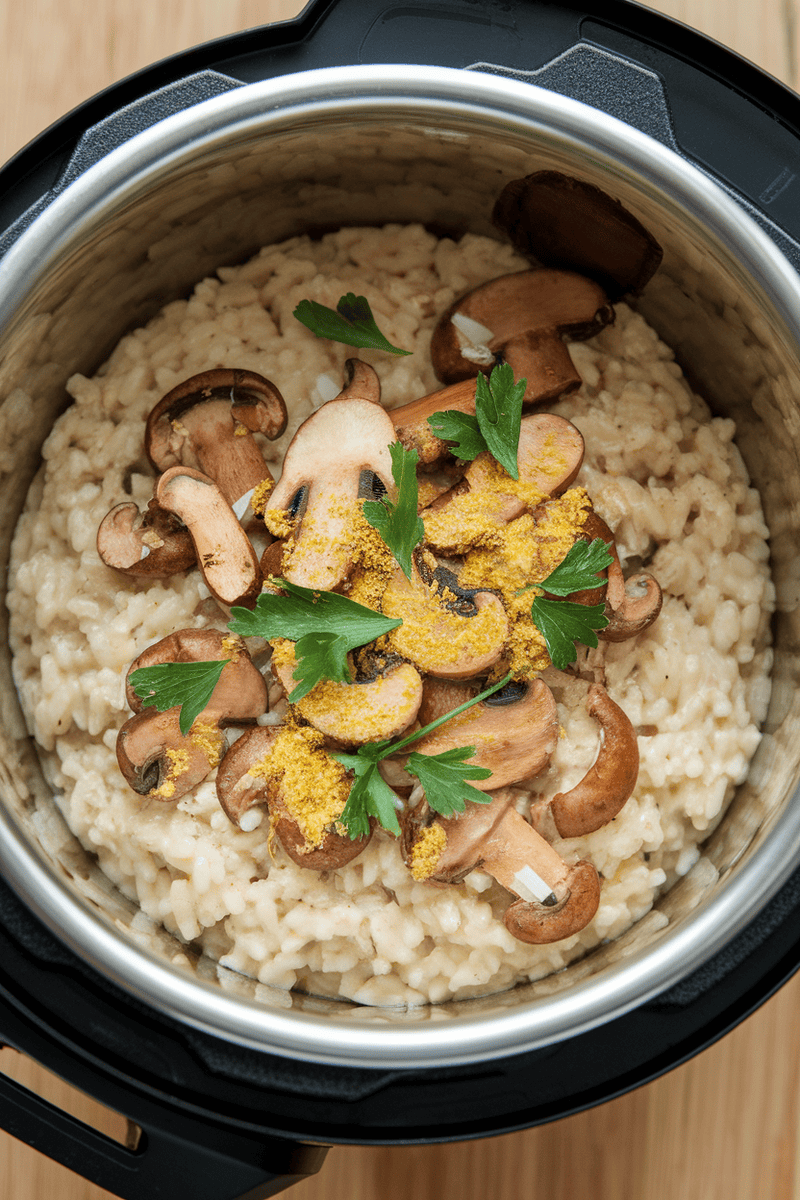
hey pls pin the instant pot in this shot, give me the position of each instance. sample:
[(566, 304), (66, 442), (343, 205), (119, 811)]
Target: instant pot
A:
[(365, 111)]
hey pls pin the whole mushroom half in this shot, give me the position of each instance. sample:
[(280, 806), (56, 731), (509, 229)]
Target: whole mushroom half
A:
[(339, 455), (524, 319), (152, 545), (208, 421), (301, 801), (159, 761), (554, 899)]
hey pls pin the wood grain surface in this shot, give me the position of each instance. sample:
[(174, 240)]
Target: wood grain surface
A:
[(723, 1126)]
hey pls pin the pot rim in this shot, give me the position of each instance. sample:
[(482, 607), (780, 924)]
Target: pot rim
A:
[(400, 1038)]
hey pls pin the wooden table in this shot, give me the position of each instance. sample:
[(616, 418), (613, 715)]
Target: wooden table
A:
[(722, 1127)]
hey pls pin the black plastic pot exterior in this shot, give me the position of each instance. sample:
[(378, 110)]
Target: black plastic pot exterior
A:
[(225, 1122)]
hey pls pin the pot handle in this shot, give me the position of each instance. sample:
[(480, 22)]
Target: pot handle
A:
[(200, 1161)]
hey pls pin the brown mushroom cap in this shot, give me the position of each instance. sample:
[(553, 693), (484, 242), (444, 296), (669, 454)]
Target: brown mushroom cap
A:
[(154, 756), (153, 545), (563, 222), (541, 924), (241, 692), (529, 314), (333, 459), (238, 790), (207, 423), (514, 733), (157, 760), (609, 782), (226, 557)]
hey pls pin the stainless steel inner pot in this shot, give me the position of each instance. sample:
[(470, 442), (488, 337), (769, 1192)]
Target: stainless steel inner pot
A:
[(370, 145)]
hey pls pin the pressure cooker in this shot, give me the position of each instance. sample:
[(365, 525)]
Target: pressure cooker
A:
[(237, 1089)]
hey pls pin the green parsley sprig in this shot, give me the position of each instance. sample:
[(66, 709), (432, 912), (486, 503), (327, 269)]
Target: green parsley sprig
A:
[(188, 684), (324, 626), (442, 775), (398, 523), (561, 623), (350, 322), (495, 424)]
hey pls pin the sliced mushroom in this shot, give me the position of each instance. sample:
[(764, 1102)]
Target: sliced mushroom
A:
[(514, 733), (549, 457), (336, 457), (240, 787), (610, 781), (555, 900), (529, 313), (224, 552), (445, 631), (159, 761), (632, 605), (154, 544), (566, 223), (207, 422), (352, 714)]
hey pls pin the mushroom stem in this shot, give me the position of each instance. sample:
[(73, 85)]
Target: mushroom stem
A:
[(610, 781)]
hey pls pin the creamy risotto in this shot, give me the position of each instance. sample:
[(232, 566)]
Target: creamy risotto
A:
[(663, 473)]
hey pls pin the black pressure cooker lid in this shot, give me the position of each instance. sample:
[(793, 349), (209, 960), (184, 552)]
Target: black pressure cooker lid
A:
[(221, 1121)]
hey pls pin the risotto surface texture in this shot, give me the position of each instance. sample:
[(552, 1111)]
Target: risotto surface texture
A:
[(662, 472)]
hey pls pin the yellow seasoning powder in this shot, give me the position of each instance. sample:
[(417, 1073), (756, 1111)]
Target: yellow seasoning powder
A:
[(313, 786), (426, 852)]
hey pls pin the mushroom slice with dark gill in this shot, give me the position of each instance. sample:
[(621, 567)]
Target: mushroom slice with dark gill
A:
[(514, 733), (208, 421), (553, 899), (445, 631), (528, 314), (343, 443), (351, 714), (241, 786), (155, 758)]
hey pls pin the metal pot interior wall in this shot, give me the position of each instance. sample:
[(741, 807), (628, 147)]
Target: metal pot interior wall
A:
[(152, 238)]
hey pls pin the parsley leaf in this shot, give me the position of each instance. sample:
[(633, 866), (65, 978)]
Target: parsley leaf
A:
[(563, 624), (398, 524), (324, 626), (462, 429), (351, 322), (370, 795), (579, 569), (443, 777), (319, 656), (188, 684), (495, 425), (498, 406)]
